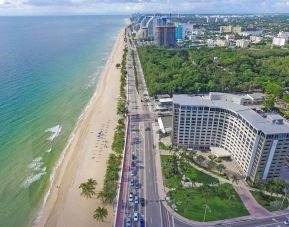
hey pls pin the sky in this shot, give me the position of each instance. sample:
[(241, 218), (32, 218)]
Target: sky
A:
[(64, 7)]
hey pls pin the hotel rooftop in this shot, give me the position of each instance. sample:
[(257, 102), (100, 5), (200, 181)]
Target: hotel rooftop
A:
[(272, 124)]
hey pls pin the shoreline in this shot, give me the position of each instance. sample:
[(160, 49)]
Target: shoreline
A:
[(74, 164)]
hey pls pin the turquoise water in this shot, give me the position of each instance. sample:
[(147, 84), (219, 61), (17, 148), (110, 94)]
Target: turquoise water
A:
[(49, 68)]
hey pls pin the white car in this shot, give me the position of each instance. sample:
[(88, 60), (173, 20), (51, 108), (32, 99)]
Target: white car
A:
[(286, 222), (135, 216)]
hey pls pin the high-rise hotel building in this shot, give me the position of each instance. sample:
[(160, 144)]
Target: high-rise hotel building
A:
[(259, 145)]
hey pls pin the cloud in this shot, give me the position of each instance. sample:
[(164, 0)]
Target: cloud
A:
[(10, 7)]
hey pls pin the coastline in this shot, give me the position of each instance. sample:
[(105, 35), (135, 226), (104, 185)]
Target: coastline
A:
[(85, 155)]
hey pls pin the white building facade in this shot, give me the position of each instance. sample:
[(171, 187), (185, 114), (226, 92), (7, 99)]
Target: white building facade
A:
[(259, 146)]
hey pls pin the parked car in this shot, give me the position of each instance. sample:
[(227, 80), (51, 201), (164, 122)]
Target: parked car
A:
[(133, 164), (142, 223), (131, 182), (286, 222), (133, 172), (137, 185), (135, 216), (136, 199), (142, 202), (128, 221), (130, 196)]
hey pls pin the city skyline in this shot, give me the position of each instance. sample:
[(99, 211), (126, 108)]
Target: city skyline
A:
[(125, 7)]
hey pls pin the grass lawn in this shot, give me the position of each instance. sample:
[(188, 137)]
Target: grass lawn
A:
[(162, 146), (172, 180), (190, 204), (264, 200)]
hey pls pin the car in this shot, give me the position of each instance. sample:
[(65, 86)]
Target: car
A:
[(133, 156), (137, 185), (130, 196), (128, 221), (132, 172), (141, 222), (286, 222), (148, 129), (135, 216), (136, 199), (142, 202), (131, 182), (133, 164)]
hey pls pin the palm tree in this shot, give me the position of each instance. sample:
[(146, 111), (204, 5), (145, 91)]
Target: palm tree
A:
[(201, 159), (92, 182), (100, 213), (102, 195), (220, 168), (88, 188), (211, 164)]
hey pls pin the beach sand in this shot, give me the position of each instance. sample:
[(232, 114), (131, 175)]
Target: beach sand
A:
[(87, 154)]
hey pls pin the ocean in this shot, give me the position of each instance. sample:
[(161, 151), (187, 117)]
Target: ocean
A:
[(49, 68)]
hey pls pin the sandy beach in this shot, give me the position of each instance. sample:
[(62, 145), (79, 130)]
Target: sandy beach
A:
[(87, 154)]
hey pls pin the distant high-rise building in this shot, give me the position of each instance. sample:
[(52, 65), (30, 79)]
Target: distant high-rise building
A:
[(165, 35), (179, 32)]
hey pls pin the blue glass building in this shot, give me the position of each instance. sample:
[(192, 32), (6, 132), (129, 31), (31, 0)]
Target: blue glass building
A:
[(179, 33)]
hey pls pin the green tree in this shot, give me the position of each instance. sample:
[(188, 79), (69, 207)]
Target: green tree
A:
[(220, 168), (211, 164), (273, 89), (201, 159), (100, 213), (268, 103), (88, 188)]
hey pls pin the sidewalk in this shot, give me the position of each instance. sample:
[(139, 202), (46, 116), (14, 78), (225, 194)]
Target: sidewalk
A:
[(249, 201)]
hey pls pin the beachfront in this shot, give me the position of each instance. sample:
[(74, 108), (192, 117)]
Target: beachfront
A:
[(87, 154)]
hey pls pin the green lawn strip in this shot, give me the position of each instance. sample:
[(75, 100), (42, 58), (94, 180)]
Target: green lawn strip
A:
[(197, 175), (170, 179), (190, 204), (173, 180), (264, 200), (162, 146)]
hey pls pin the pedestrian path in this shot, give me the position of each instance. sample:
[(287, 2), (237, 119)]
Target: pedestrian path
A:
[(249, 201)]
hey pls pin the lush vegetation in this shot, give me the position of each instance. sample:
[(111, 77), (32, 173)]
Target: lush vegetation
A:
[(100, 213), (110, 186), (213, 69), (135, 71), (174, 168), (223, 202), (271, 203), (88, 188), (162, 146)]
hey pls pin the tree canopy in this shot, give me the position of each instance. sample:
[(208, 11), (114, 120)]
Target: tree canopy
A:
[(214, 69)]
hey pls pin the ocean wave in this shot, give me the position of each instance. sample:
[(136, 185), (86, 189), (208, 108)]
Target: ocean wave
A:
[(36, 164), (55, 131), (49, 150), (33, 177)]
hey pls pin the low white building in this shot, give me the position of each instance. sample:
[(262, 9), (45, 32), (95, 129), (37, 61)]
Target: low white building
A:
[(256, 39), (277, 41), (242, 43), (222, 43)]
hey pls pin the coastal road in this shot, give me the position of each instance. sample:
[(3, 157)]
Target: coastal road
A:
[(141, 144)]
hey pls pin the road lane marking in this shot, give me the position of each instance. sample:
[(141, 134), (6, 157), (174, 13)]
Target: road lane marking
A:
[(269, 224)]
